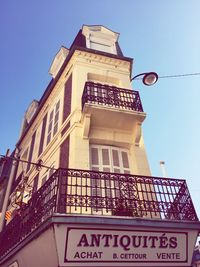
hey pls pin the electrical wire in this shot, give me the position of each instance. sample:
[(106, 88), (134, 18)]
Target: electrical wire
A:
[(179, 75), (37, 164), (173, 76)]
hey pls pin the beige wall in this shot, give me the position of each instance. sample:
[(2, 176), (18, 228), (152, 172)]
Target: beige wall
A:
[(86, 128), (40, 252)]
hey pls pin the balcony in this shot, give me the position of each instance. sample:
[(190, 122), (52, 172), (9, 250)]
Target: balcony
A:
[(103, 101), (82, 192)]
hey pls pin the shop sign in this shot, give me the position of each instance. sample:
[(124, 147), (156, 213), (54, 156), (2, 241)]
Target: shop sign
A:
[(128, 246)]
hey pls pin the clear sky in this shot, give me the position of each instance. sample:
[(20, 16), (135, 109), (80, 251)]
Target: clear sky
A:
[(161, 36)]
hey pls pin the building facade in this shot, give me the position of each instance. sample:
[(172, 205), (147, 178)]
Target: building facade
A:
[(82, 191)]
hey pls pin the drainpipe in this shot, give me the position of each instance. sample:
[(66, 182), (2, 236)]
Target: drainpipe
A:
[(8, 190)]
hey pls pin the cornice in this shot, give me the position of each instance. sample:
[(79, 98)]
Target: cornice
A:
[(89, 57)]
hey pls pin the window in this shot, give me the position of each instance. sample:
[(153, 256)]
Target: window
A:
[(56, 117), (44, 178), (35, 183), (53, 122), (50, 127), (44, 121), (47, 175), (107, 159), (101, 47), (31, 151)]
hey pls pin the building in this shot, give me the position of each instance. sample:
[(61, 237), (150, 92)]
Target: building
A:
[(5, 172), (196, 256), (82, 192)]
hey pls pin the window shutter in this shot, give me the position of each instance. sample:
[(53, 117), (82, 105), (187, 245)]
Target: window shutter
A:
[(125, 159), (44, 122), (51, 171), (67, 98), (108, 159), (31, 151), (35, 183), (105, 157), (56, 117), (94, 156), (50, 127), (44, 180)]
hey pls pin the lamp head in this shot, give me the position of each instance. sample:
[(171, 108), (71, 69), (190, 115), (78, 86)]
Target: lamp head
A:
[(150, 78)]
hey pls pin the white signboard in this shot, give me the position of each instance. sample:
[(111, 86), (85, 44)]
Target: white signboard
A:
[(128, 246)]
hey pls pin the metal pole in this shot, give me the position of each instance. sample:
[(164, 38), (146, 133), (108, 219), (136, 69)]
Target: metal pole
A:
[(162, 166), (8, 190)]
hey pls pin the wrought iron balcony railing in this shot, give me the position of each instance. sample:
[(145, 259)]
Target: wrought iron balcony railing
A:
[(72, 191), (96, 93)]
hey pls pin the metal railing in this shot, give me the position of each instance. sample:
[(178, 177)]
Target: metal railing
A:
[(96, 93), (73, 191)]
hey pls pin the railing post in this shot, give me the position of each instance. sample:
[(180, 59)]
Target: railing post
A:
[(62, 191)]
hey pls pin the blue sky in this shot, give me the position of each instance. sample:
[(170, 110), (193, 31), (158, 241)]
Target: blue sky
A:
[(161, 36)]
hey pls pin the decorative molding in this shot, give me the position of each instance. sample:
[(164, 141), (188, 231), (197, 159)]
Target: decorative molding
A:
[(86, 125), (100, 58), (138, 133)]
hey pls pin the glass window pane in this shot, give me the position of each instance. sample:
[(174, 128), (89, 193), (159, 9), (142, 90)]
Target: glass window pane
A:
[(100, 47), (95, 168), (106, 169), (115, 157), (116, 170), (51, 116), (55, 129), (125, 159), (105, 156), (95, 157), (58, 105), (44, 180)]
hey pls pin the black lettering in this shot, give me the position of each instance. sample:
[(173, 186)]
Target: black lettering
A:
[(115, 256), (125, 242), (95, 240), (107, 237), (145, 241), (83, 241), (173, 242), (163, 241), (158, 255), (83, 255), (136, 241), (115, 242), (76, 255), (153, 239)]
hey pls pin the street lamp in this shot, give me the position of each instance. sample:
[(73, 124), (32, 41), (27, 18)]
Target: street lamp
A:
[(149, 78)]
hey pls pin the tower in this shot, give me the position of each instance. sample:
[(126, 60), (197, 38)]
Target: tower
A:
[(82, 185)]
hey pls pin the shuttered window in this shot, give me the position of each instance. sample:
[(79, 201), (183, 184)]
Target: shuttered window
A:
[(47, 175), (53, 122), (56, 117), (50, 125), (35, 184), (44, 178), (44, 121), (108, 159), (31, 151)]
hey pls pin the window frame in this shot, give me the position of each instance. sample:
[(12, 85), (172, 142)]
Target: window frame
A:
[(53, 122), (101, 166)]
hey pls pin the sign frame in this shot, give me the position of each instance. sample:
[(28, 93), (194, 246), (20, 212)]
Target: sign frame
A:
[(116, 261)]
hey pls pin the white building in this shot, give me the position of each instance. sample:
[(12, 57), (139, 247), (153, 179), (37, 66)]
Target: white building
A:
[(91, 199)]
